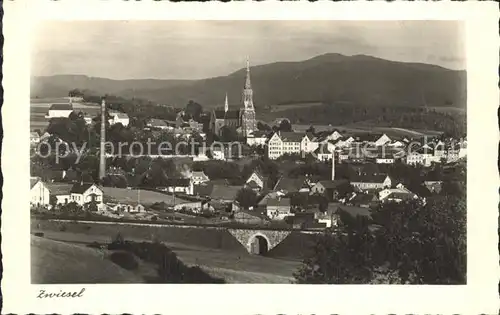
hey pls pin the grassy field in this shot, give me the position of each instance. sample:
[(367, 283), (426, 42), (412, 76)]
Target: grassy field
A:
[(283, 107), (216, 252), (40, 107), (60, 262), (146, 197)]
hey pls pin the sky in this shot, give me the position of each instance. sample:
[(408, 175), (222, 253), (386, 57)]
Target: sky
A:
[(203, 49)]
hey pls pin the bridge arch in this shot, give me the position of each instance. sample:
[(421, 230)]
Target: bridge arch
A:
[(258, 244)]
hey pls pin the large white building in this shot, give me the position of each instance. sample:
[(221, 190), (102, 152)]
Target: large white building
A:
[(284, 143), (59, 111)]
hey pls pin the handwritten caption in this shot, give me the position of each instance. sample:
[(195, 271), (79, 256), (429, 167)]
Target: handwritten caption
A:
[(43, 294)]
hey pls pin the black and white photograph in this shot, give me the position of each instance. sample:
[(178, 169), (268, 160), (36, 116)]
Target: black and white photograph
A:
[(249, 152), (260, 151)]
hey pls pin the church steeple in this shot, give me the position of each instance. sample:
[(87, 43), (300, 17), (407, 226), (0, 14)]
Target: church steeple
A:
[(248, 84), (226, 105), (248, 113)]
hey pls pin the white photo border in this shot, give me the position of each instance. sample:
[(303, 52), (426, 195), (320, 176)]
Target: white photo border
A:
[(480, 295)]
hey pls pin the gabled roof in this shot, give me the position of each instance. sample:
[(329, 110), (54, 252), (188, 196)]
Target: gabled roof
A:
[(157, 123), (61, 107), (290, 136), (120, 115), (330, 184), (356, 211), (59, 188), (290, 184), (322, 149), (368, 178), (283, 202), (33, 181), (252, 184), (80, 188), (361, 199)]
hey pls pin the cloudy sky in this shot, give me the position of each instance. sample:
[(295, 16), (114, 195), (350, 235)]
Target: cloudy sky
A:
[(201, 49)]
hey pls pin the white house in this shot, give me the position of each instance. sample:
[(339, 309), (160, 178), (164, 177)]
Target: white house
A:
[(117, 117), (371, 181), (334, 136), (384, 139), (256, 181), (396, 195), (218, 153), (83, 193), (199, 177), (323, 153), (278, 209), (284, 143), (257, 138), (131, 207), (59, 110), (34, 137), (40, 194), (179, 185), (308, 143), (342, 143)]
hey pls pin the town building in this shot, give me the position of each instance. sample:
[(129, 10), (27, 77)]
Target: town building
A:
[(40, 194), (278, 209), (256, 181), (282, 143), (396, 195), (178, 185), (257, 138), (83, 193), (370, 181), (309, 143), (119, 118), (199, 177), (59, 111)]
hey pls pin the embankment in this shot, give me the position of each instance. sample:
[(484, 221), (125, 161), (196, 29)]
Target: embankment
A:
[(295, 246)]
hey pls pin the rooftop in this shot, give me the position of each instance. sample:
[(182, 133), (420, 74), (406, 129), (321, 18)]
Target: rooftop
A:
[(61, 107)]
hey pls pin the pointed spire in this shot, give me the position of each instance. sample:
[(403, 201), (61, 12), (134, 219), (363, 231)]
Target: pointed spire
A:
[(226, 104), (248, 84)]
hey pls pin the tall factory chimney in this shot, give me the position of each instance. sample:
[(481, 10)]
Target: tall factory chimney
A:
[(333, 165), (102, 155)]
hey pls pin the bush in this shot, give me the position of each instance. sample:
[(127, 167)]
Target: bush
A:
[(125, 260), (63, 228), (39, 234)]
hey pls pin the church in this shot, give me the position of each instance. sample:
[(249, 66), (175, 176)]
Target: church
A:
[(241, 119)]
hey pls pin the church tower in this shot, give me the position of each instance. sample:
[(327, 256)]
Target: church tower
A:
[(248, 114)]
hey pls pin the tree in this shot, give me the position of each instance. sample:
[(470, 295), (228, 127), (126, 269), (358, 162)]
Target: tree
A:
[(246, 197), (53, 202), (194, 110), (285, 125), (228, 134), (311, 129)]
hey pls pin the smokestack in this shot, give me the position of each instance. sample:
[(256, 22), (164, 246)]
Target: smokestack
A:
[(333, 165), (102, 161)]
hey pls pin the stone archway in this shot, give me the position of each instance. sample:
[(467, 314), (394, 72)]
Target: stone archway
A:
[(258, 244)]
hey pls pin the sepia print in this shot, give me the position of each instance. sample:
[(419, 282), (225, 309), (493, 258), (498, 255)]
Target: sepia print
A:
[(295, 152)]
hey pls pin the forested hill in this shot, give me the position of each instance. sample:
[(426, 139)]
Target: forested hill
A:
[(329, 78)]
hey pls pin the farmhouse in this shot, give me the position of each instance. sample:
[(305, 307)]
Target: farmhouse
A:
[(256, 181), (180, 185), (83, 193), (59, 111), (278, 209)]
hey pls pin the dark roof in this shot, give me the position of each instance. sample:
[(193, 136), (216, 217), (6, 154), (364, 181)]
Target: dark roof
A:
[(80, 188), (224, 192), (230, 114), (368, 178), (290, 184), (289, 136), (356, 211), (157, 123), (361, 199), (33, 181), (322, 149), (329, 184), (283, 202), (59, 188), (61, 107)]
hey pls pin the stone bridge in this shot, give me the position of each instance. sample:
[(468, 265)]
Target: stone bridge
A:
[(259, 241)]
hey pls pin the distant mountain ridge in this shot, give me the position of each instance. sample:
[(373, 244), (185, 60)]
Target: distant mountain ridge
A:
[(329, 78)]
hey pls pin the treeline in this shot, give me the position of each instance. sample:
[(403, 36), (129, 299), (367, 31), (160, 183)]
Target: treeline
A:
[(452, 123)]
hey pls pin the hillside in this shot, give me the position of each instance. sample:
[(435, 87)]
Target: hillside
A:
[(329, 78)]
